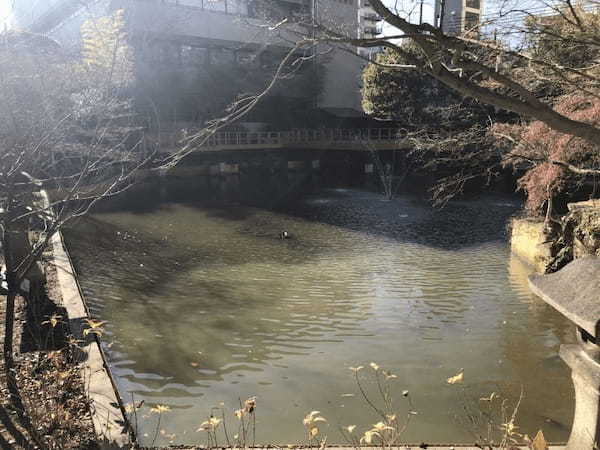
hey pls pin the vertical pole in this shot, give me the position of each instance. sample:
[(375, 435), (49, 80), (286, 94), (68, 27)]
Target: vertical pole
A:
[(421, 13), (313, 14)]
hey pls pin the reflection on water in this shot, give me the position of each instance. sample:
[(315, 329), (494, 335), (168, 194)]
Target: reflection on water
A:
[(207, 305)]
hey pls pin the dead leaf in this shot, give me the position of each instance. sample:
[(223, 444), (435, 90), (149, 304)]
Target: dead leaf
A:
[(458, 378), (539, 442)]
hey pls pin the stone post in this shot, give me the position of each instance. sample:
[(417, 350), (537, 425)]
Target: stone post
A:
[(583, 360), (575, 292)]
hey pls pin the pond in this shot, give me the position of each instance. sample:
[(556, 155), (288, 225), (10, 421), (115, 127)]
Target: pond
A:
[(205, 306)]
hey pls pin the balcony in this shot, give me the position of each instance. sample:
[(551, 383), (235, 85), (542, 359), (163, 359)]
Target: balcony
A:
[(372, 17)]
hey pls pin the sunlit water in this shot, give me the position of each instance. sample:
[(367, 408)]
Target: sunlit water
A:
[(206, 306)]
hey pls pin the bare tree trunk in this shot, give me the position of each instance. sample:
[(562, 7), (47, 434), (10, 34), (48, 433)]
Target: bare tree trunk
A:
[(19, 438), (387, 172), (9, 325), (4, 443), (548, 217), (9, 318)]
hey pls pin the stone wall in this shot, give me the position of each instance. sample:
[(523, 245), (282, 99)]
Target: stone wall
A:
[(530, 243), (585, 217), (577, 234)]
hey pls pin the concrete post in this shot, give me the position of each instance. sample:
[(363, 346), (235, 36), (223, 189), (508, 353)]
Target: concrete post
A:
[(573, 291), (583, 360)]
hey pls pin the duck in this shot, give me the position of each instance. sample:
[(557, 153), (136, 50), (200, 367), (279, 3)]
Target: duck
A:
[(284, 235)]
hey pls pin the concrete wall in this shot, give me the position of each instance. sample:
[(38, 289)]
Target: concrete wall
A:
[(27, 12), (33, 14), (343, 69), (342, 82), (528, 241), (161, 19)]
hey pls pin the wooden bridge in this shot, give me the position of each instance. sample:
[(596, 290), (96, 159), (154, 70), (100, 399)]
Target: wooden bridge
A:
[(369, 139)]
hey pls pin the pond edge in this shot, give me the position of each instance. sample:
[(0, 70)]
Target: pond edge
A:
[(106, 408)]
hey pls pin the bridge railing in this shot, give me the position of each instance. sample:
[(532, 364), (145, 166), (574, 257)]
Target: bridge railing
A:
[(282, 138)]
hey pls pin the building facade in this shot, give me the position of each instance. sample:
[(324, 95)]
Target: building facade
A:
[(459, 16), (177, 40), (369, 26)]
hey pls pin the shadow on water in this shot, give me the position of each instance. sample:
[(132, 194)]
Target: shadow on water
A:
[(405, 219), (457, 225), (160, 281)]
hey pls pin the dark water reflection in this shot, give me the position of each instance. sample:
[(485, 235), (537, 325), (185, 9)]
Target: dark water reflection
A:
[(206, 305)]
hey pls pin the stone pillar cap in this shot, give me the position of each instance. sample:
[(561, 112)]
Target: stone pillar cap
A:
[(574, 291)]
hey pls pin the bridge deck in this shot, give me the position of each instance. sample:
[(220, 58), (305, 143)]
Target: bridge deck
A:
[(374, 139)]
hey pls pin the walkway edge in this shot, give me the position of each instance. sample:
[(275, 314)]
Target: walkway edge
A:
[(109, 421)]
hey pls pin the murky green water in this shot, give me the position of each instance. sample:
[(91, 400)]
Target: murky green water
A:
[(207, 305)]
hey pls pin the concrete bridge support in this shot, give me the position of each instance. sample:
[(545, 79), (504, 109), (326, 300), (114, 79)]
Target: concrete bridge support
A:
[(370, 174)]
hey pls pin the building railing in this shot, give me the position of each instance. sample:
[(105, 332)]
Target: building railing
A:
[(287, 138)]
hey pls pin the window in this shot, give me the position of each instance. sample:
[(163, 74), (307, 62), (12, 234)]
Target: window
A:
[(193, 56), (471, 21), (475, 4)]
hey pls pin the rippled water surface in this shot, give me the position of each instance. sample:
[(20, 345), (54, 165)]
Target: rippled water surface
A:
[(206, 305)]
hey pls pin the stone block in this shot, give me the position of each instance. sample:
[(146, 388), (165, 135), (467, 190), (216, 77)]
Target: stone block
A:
[(530, 243)]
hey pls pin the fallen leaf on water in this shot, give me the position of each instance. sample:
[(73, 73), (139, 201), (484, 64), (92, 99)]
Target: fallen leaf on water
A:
[(492, 396), (458, 378)]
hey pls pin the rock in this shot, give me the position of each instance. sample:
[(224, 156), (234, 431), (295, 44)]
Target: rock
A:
[(531, 243), (593, 203)]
